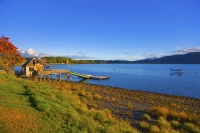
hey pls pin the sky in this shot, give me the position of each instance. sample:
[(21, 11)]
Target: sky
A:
[(102, 29)]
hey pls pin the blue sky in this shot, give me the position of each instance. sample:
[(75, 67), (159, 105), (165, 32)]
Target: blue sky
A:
[(102, 29)]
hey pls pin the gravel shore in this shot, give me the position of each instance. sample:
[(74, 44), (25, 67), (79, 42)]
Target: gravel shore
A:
[(130, 105)]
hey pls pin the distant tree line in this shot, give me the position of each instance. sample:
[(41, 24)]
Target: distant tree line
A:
[(67, 60), (58, 60)]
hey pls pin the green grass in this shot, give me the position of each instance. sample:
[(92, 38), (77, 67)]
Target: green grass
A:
[(30, 106)]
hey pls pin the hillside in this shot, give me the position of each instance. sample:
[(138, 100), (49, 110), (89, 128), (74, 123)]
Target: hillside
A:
[(190, 58)]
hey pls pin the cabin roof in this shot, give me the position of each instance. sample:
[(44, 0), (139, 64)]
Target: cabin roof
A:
[(33, 61)]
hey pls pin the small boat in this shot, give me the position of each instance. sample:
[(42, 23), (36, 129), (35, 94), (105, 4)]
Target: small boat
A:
[(179, 70)]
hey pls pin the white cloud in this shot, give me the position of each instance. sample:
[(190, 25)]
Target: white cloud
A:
[(186, 50), (148, 55), (161, 55), (31, 53)]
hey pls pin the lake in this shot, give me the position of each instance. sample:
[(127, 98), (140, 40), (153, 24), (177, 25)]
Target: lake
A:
[(146, 77)]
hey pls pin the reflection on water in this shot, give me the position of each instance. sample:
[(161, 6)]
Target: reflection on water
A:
[(176, 73), (83, 80)]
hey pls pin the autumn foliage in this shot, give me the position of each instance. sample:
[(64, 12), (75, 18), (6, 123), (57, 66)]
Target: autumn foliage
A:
[(9, 56)]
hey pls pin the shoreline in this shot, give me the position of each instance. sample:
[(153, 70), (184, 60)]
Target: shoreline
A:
[(173, 95), (117, 100)]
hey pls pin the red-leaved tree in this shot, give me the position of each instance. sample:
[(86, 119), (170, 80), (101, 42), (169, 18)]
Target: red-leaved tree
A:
[(9, 56)]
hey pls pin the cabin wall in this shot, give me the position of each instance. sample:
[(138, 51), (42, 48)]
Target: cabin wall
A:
[(39, 67), (28, 72)]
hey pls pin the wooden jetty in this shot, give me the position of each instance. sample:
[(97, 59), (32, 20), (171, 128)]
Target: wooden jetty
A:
[(99, 77), (89, 76)]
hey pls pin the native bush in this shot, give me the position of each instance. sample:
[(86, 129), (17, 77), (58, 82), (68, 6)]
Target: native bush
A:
[(146, 117), (154, 129), (145, 125), (97, 96), (175, 124)]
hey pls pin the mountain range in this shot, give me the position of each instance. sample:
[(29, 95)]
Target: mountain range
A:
[(189, 58)]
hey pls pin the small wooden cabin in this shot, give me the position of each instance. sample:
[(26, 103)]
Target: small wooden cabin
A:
[(33, 65)]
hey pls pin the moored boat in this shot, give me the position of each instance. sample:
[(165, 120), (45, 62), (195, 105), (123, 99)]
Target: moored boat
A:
[(177, 70)]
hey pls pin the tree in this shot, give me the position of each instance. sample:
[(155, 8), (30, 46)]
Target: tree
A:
[(9, 56)]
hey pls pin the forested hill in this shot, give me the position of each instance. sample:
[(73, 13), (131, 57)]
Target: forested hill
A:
[(190, 58)]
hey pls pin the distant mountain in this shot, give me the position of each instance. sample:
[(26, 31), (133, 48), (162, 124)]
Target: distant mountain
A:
[(189, 58), (120, 60), (152, 58)]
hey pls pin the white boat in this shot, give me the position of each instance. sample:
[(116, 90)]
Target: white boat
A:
[(178, 71)]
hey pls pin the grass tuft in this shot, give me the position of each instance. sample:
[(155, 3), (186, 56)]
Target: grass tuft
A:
[(97, 96), (155, 129), (146, 117)]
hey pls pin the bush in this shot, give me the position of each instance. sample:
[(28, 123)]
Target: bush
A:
[(155, 129), (146, 117), (82, 93), (175, 124), (129, 113), (183, 116), (130, 105), (191, 128), (89, 96), (160, 111), (174, 114), (113, 99), (163, 123), (97, 97), (144, 125)]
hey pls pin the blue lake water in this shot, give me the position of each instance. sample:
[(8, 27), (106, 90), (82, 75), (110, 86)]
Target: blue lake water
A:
[(147, 77)]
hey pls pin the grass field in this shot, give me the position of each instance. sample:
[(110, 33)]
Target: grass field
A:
[(31, 106), (64, 106)]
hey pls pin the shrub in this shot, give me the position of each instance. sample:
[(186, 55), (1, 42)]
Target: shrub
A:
[(146, 117), (163, 123), (191, 128), (129, 105), (89, 96), (155, 129), (160, 111), (107, 98), (100, 117), (175, 124), (183, 116), (82, 93), (129, 113), (97, 97), (113, 99), (83, 99), (174, 114), (144, 125)]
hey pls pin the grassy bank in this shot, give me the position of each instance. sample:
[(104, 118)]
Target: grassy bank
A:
[(61, 106), (30, 106)]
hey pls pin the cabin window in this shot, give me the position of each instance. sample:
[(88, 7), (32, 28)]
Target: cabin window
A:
[(23, 69), (31, 68)]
